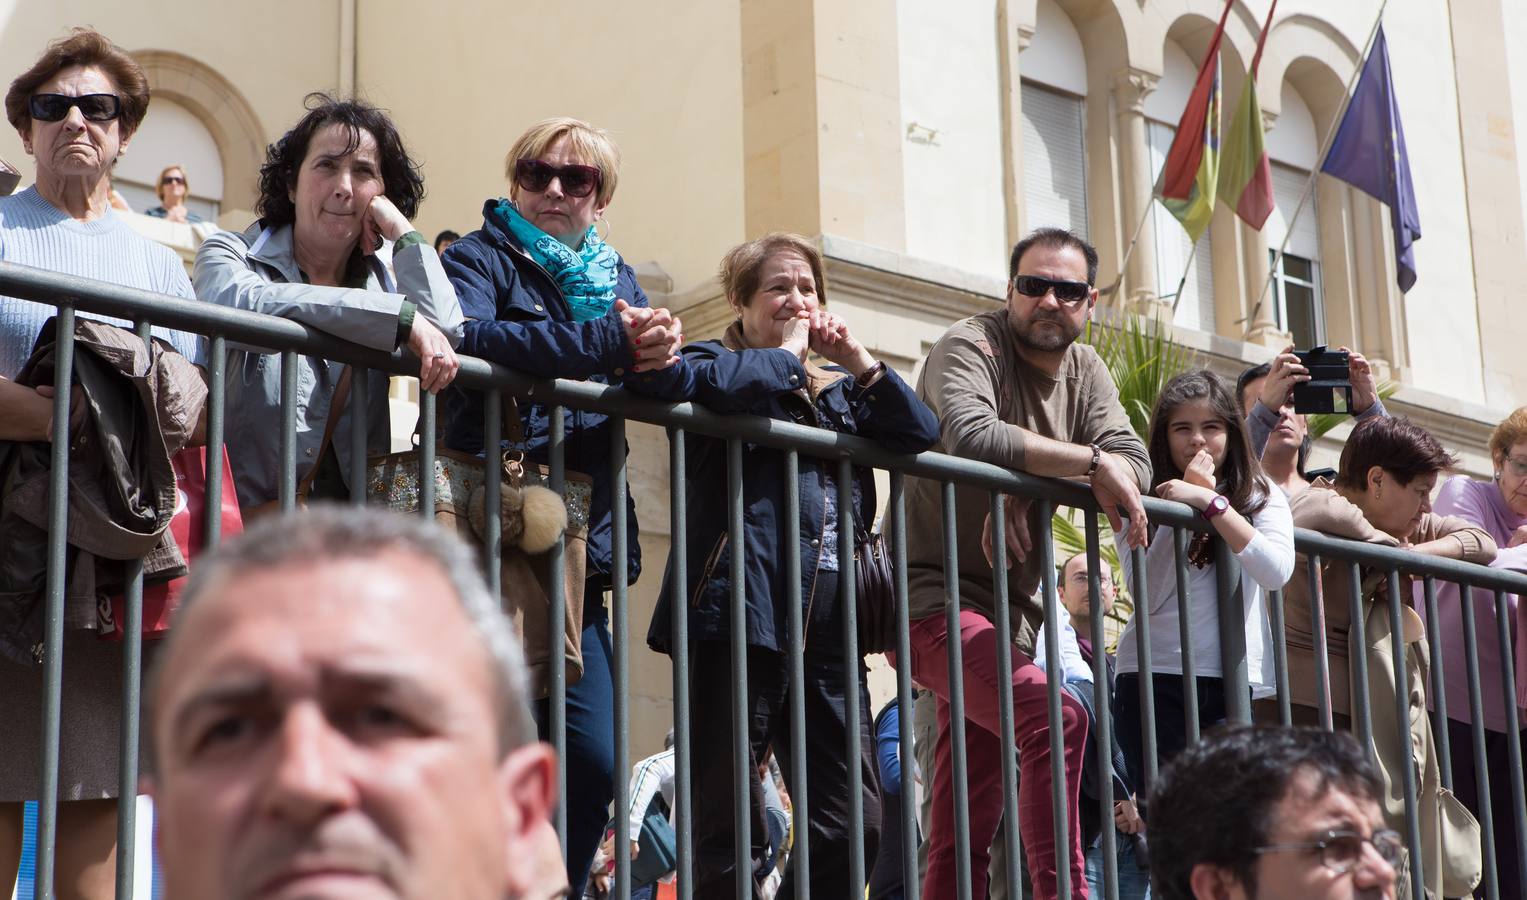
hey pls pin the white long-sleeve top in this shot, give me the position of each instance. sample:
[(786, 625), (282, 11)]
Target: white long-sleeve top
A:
[(650, 776), (1267, 563), (1072, 663)]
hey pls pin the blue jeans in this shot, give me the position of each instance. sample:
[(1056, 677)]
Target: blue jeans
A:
[(1134, 882), (590, 763)]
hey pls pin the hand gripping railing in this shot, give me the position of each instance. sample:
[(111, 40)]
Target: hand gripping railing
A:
[(289, 339)]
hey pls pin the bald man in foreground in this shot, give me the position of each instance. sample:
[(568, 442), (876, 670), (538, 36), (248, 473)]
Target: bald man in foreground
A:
[(340, 712)]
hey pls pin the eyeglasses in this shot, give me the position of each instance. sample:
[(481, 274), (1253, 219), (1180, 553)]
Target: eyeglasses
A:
[(94, 107), (1517, 465), (1065, 291), (1340, 851), (173, 179), (535, 176)]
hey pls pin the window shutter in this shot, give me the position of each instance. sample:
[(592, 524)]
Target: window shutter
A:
[(1054, 160)]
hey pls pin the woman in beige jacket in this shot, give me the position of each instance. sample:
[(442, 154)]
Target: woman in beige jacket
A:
[(1382, 495)]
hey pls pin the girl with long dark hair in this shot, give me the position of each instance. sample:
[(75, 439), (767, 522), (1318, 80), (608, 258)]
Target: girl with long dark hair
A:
[(1201, 456)]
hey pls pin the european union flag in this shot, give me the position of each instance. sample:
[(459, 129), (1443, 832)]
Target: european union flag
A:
[(1369, 154)]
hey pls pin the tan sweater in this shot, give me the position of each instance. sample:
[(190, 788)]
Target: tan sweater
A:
[(1321, 508), (986, 398)]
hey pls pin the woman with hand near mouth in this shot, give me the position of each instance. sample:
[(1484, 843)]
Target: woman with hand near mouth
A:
[(544, 293), (331, 190)]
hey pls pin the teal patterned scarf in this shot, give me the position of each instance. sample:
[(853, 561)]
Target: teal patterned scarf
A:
[(586, 276)]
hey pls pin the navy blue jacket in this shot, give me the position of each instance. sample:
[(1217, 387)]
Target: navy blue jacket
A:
[(769, 383), (516, 316)]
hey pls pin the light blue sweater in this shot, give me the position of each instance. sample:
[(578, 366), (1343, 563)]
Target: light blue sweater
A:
[(34, 232)]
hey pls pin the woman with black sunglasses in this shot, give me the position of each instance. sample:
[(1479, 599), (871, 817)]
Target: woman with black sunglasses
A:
[(544, 293), (76, 110)]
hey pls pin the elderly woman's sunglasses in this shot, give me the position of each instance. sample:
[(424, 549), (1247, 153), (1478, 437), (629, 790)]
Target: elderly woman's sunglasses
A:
[(1065, 291), (535, 176), (94, 107)]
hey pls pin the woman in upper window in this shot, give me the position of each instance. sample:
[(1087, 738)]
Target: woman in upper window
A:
[(1201, 456)]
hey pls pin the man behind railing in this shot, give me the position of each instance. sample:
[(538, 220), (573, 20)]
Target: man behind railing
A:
[(1272, 813), (1011, 388), (341, 711)]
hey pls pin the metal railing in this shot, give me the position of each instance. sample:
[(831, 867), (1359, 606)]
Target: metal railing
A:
[(290, 339)]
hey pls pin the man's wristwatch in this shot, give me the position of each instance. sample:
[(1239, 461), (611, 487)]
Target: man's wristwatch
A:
[(1097, 459), (868, 376), (1218, 505)]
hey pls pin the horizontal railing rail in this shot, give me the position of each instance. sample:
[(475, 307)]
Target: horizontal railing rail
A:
[(228, 326)]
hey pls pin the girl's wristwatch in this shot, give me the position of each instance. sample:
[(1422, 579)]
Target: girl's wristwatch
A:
[(1219, 504)]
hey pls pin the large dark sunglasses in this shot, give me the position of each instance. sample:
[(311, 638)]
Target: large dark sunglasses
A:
[(1065, 291), (94, 107), (535, 176)]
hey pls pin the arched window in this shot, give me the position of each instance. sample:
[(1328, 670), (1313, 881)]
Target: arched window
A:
[(1297, 298), (1175, 253), (172, 135), (1054, 121)]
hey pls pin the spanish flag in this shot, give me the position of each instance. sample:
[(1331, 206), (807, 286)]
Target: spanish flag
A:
[(1245, 176), (1191, 173)]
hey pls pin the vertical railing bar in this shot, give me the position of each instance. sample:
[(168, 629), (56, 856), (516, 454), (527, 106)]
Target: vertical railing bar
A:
[(897, 513), (287, 490), (852, 712), (1357, 699), (132, 680), (679, 558), (1438, 693), (741, 744), (1477, 725), (427, 458), (557, 616), (620, 641), (800, 853), (1231, 611), (127, 771), (1402, 726), (1143, 651), (1006, 735), (1059, 796), (360, 398), (961, 783), (1513, 735), (493, 481), (53, 635), (1102, 690), (1280, 656), (1185, 635), (217, 400), (1322, 648)]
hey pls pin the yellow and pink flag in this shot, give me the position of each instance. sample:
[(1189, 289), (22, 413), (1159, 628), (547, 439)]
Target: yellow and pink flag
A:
[(1245, 176)]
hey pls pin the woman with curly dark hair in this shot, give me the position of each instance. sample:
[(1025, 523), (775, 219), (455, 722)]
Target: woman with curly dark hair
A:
[(332, 190)]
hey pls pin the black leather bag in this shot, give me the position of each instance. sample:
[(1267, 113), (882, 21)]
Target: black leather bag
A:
[(874, 593)]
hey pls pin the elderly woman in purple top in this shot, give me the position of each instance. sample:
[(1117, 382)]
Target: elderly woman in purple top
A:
[(1499, 507)]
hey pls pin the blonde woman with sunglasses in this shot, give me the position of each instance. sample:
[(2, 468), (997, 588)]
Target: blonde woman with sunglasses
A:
[(544, 293), (173, 188)]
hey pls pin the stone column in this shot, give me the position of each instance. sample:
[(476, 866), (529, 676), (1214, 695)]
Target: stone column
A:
[(1130, 88), (1012, 38)]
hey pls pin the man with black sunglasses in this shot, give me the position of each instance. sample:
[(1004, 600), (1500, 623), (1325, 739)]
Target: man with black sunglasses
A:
[(1012, 387), (1272, 813)]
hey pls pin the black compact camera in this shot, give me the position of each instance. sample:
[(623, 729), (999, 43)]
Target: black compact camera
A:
[(1329, 389)]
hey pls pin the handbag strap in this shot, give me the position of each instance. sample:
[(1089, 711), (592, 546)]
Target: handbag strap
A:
[(336, 409)]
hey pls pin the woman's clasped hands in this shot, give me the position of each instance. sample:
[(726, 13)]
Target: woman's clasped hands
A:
[(655, 336)]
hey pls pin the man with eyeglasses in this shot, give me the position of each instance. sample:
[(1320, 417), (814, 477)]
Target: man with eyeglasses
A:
[(1267, 812), (1012, 387)]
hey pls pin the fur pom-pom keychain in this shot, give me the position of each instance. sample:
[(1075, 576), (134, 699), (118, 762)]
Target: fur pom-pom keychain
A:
[(533, 517)]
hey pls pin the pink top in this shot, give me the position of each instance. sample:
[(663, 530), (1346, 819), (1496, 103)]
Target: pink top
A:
[(1481, 503)]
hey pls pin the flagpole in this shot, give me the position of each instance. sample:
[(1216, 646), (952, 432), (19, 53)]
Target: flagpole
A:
[(1288, 230), (1130, 250), (1184, 279)]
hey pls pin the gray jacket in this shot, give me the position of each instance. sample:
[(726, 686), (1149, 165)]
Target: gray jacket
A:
[(257, 270)]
